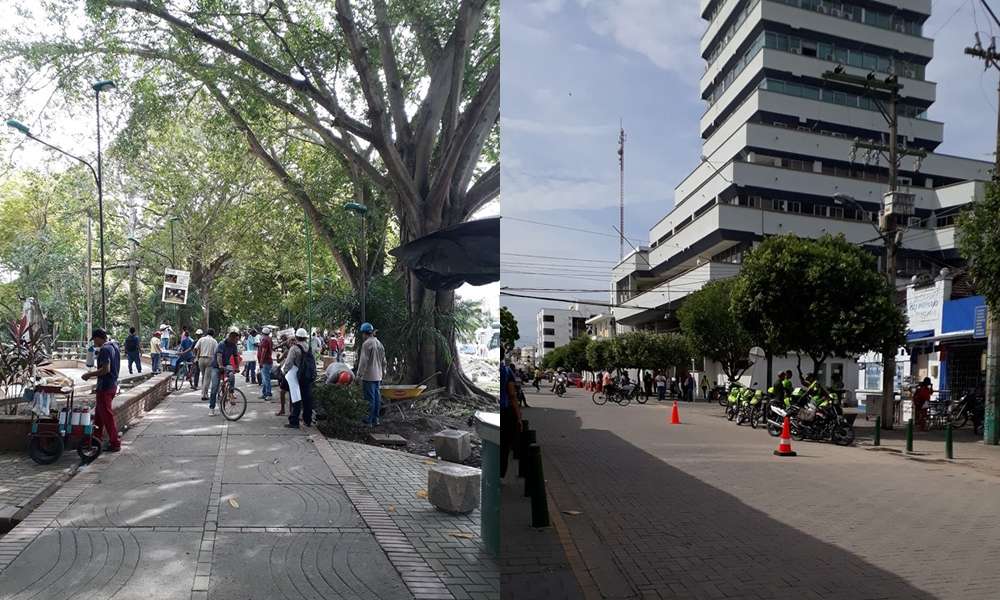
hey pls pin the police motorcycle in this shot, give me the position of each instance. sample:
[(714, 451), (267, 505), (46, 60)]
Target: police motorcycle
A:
[(733, 399), (814, 414), (751, 401)]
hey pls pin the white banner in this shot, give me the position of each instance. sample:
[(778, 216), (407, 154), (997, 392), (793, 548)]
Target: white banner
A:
[(175, 286)]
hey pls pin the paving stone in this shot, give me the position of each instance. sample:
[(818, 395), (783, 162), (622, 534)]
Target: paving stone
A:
[(274, 459), (287, 505), (307, 566), (62, 563)]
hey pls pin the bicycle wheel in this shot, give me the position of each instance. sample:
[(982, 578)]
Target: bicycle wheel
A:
[(45, 449), (600, 398), (179, 376), (233, 405)]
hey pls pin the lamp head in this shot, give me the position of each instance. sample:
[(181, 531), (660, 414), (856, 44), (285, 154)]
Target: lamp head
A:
[(18, 126), (355, 207), (106, 84)]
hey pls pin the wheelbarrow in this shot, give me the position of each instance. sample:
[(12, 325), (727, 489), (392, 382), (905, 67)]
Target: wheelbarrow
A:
[(400, 392)]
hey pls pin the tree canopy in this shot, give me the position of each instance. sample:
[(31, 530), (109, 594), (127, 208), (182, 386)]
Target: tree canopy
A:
[(508, 329), (819, 297), (979, 243), (713, 331)]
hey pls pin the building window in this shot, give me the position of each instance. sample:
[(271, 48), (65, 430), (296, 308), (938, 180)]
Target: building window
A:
[(548, 318), (548, 331), (548, 344)]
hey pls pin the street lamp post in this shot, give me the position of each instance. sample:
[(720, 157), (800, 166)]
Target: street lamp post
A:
[(362, 210), (98, 88), (19, 126)]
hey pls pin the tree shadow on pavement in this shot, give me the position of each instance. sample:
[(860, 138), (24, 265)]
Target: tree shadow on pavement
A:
[(650, 530)]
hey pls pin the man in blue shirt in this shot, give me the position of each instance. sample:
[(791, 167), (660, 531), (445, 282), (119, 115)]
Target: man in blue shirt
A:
[(222, 362), (109, 360), (132, 351)]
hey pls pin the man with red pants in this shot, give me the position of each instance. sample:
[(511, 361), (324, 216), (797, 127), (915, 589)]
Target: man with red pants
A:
[(108, 361)]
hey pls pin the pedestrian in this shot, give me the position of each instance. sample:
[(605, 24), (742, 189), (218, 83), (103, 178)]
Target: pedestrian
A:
[(510, 415), (519, 386), (108, 363), (165, 337), (331, 346), (316, 342), (371, 369), (689, 387), (205, 349), (704, 387), (341, 343), (154, 352), (223, 363), (196, 379), (266, 362), (282, 382), (300, 370), (251, 357), (921, 397), (537, 380), (132, 351), (661, 386), (647, 383)]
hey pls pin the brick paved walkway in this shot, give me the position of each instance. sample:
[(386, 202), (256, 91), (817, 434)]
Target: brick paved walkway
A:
[(22, 480), (703, 510), (449, 543), (197, 507)]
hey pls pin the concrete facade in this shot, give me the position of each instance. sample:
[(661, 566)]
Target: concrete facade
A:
[(557, 326), (777, 149)]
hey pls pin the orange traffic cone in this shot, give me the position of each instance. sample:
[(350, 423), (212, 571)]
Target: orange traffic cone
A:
[(785, 446), (675, 415)]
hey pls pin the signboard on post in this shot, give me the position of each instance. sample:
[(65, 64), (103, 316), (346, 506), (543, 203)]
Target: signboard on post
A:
[(175, 286), (979, 329)]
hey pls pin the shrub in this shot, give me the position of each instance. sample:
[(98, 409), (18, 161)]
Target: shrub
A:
[(343, 407)]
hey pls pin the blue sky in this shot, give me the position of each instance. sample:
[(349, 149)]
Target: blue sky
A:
[(572, 68)]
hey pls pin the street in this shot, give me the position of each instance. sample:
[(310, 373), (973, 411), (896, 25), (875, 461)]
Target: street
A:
[(704, 510)]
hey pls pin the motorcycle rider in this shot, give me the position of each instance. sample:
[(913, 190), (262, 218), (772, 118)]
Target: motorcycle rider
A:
[(559, 378)]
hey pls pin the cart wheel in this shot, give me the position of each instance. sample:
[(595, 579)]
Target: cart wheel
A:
[(89, 448), (45, 449)]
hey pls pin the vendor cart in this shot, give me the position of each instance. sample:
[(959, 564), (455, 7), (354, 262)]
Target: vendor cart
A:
[(55, 430)]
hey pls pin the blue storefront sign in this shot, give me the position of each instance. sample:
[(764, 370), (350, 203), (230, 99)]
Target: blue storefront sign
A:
[(979, 331)]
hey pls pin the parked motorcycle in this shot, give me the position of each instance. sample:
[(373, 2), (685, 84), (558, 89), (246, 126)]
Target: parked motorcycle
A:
[(733, 401), (809, 422)]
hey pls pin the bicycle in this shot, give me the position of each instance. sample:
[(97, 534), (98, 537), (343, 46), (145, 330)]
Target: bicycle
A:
[(232, 401), (184, 373), (617, 394)]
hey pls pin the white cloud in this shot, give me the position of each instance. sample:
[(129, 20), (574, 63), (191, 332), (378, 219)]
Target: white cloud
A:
[(667, 33)]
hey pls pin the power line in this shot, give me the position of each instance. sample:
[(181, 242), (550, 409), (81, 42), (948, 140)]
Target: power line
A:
[(615, 262), (575, 301), (571, 228)]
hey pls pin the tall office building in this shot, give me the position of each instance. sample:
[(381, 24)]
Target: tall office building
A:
[(777, 147)]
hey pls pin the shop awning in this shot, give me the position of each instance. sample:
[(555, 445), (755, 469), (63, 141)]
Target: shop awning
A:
[(944, 337), (912, 336)]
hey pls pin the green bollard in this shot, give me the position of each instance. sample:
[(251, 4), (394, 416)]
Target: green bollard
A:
[(909, 435), (539, 500), (878, 430), (948, 450)]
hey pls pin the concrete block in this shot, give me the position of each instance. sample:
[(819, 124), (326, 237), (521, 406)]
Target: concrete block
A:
[(453, 445), (454, 488)]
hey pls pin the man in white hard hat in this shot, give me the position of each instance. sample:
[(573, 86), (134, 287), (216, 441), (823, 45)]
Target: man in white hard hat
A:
[(300, 356)]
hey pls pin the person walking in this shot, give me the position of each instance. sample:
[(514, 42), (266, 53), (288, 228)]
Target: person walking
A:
[(186, 347), (165, 337), (371, 369), (205, 349), (132, 351), (282, 382), (298, 371), (340, 346), (154, 352), (537, 380), (647, 383), (264, 349), (108, 363), (223, 362), (661, 386), (510, 414), (704, 387), (196, 378), (251, 357)]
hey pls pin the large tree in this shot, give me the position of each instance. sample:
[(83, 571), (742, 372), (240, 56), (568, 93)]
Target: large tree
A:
[(713, 331), (404, 97), (508, 329), (979, 243), (819, 298)]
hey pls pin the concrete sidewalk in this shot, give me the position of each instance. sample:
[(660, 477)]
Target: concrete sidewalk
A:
[(198, 507)]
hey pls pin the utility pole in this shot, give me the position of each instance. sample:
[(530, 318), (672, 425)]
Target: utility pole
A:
[(621, 190), (991, 420), (89, 276), (885, 93)]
